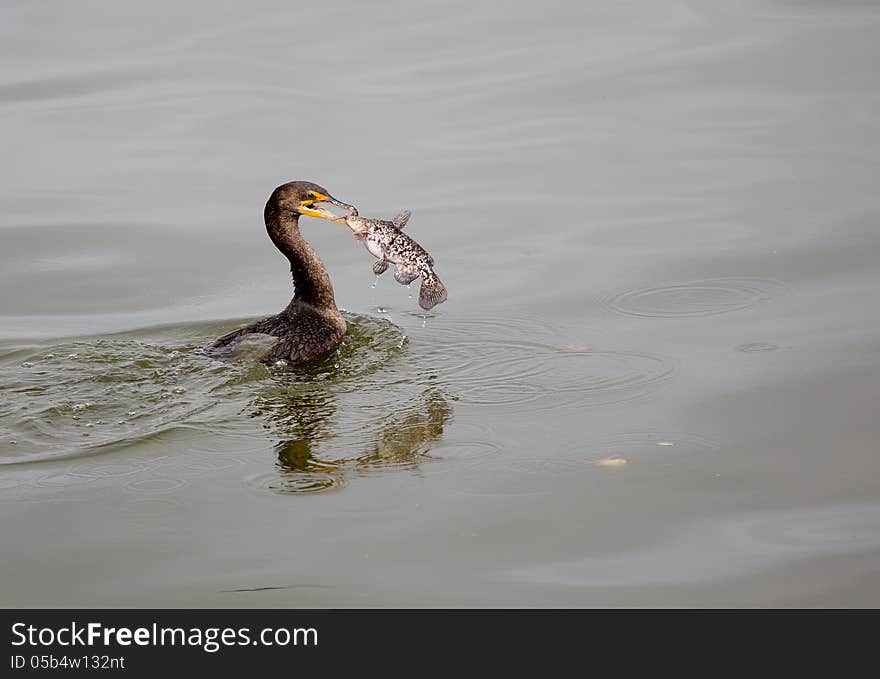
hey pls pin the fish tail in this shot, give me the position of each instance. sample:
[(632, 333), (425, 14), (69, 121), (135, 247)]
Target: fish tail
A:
[(432, 292)]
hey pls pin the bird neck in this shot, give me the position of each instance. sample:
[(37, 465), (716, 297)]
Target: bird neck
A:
[(310, 279)]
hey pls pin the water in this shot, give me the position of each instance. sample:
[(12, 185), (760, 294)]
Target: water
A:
[(654, 382)]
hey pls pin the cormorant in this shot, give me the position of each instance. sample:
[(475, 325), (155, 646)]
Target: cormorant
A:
[(311, 325)]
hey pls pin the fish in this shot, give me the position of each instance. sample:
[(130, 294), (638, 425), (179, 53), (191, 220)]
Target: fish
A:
[(386, 241)]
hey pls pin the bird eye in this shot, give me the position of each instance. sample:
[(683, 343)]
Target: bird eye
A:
[(312, 195)]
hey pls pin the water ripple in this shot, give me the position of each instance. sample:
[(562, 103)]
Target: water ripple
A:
[(88, 395), (695, 298), (296, 483), (752, 347), (156, 485), (516, 374), (360, 411)]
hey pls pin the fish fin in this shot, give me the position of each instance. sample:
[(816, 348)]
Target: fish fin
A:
[(400, 220), (380, 267), (405, 276), (432, 292)]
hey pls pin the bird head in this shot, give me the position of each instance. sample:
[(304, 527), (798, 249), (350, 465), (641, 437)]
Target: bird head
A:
[(305, 198)]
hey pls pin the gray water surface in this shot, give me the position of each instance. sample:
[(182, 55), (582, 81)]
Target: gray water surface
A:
[(655, 381)]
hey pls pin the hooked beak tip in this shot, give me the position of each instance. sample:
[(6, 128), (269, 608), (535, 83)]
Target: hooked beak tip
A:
[(352, 210)]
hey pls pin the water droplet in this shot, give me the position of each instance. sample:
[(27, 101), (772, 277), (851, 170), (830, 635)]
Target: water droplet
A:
[(27, 364), (375, 281), (49, 356), (179, 390), (665, 443), (72, 355), (13, 442), (131, 413), (89, 424), (382, 310)]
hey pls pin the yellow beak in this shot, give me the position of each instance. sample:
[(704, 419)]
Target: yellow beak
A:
[(310, 207)]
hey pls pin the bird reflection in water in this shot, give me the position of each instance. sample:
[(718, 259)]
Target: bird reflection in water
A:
[(316, 453)]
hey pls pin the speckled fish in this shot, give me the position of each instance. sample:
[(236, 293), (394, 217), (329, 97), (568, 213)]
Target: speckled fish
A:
[(386, 241)]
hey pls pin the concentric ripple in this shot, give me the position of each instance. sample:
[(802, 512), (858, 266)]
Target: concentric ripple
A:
[(156, 485), (520, 364), (754, 347), (695, 298), (286, 482), (509, 374)]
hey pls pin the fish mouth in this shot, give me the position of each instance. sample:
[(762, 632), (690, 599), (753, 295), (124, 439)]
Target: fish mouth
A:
[(313, 208)]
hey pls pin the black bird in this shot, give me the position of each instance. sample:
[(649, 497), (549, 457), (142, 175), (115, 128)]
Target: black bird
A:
[(311, 325)]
